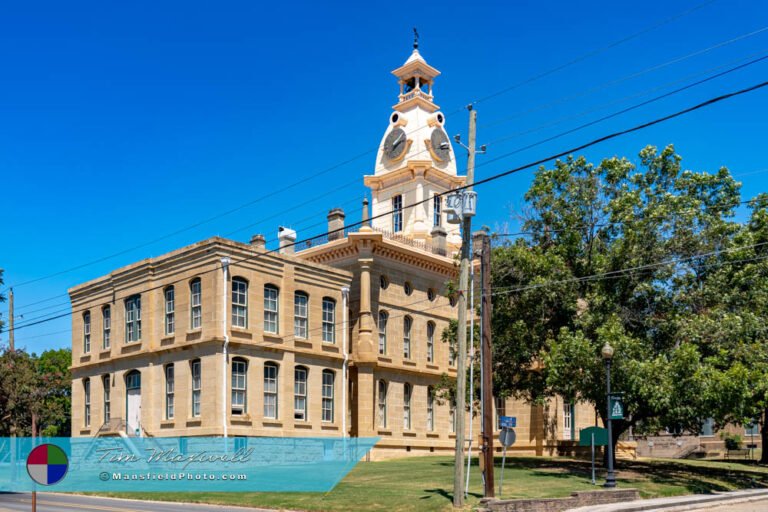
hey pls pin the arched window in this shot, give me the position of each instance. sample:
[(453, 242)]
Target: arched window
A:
[(382, 403), (133, 318), (169, 296), (105, 384), (327, 406), (430, 342), (106, 327), (170, 390), (271, 318), (86, 332), (452, 413), (239, 302), (197, 385), (270, 390), (383, 317), (407, 323), (329, 320), (196, 303), (430, 409), (407, 392), (300, 393), (239, 385), (300, 314), (87, 402)]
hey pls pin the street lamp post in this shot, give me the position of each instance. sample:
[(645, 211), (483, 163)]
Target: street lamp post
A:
[(607, 352)]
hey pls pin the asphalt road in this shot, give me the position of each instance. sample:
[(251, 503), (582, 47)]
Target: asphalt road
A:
[(753, 506), (22, 502)]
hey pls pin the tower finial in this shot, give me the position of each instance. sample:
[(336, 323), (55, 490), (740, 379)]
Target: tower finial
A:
[(415, 39)]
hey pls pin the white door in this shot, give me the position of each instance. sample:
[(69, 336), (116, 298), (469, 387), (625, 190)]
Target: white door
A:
[(134, 411)]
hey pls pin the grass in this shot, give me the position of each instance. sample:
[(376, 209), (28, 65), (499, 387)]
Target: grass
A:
[(425, 483)]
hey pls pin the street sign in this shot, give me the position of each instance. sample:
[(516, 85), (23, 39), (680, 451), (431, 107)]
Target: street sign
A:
[(601, 436), (617, 408), (508, 421), (507, 437)]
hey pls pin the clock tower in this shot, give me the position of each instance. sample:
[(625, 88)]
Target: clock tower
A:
[(415, 160)]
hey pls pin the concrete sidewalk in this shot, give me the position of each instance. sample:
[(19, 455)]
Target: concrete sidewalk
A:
[(680, 503)]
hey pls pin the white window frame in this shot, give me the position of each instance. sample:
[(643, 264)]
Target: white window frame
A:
[(437, 210), (431, 341), (329, 320), (301, 315), (430, 409), (239, 302), (329, 379), (452, 415), (271, 309), (270, 391), (170, 391), (169, 299), (87, 401), (196, 303), (197, 383), (133, 319), (397, 213), (105, 383), (239, 402), (106, 327), (300, 378), (407, 326), (567, 421), (381, 403), (86, 332), (407, 396), (383, 319)]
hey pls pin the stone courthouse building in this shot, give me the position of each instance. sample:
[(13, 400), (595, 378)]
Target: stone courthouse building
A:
[(337, 336)]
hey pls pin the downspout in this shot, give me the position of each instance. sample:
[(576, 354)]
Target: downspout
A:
[(345, 364), (225, 267)]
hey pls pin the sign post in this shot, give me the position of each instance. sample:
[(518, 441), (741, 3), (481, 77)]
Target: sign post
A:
[(507, 437), (593, 436)]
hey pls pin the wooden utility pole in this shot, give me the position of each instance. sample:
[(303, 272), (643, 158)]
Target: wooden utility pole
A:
[(461, 370), (487, 359), (11, 344)]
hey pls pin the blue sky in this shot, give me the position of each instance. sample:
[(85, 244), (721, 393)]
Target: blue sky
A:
[(123, 123)]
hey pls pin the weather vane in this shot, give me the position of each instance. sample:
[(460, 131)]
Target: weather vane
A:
[(415, 39)]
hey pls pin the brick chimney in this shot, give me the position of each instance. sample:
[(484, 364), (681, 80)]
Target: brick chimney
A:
[(259, 242), (335, 221), (287, 238)]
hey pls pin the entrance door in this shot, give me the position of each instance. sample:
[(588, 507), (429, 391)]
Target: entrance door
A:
[(133, 403)]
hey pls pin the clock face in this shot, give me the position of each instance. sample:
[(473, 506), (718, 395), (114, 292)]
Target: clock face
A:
[(395, 144), (441, 146)]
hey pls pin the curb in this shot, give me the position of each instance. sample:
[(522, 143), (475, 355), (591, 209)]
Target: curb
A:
[(680, 503)]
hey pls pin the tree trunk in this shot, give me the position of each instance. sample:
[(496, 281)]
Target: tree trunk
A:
[(764, 437)]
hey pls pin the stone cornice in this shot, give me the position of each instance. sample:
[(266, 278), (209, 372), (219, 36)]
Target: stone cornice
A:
[(412, 170)]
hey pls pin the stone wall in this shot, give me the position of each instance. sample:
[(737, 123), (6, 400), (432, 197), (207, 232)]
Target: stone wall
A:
[(577, 499)]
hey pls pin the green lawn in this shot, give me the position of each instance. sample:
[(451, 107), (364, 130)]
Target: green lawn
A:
[(424, 483)]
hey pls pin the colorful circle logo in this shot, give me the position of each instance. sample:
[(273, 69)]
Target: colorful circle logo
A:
[(47, 464)]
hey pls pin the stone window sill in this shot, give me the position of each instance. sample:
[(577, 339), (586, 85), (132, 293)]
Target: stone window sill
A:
[(272, 423), (383, 432), (433, 434)]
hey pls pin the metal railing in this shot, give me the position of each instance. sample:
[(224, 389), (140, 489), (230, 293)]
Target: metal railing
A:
[(389, 235)]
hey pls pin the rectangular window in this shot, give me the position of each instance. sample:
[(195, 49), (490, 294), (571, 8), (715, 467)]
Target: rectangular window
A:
[(105, 384), (407, 321), (397, 213), (382, 404), (133, 319), (270, 309), (87, 393), (270, 391), (430, 409), (106, 327), (170, 308), (430, 342), (239, 373), (196, 303), (437, 203), (407, 391), (300, 314), (452, 415), (501, 410), (196, 387), (752, 429), (708, 427), (170, 391), (383, 317), (87, 332), (328, 378), (329, 320), (567, 421), (300, 394), (239, 303)]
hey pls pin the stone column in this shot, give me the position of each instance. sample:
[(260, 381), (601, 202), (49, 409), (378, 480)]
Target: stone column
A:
[(366, 403)]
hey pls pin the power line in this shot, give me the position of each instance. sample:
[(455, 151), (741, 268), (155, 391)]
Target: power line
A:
[(489, 179)]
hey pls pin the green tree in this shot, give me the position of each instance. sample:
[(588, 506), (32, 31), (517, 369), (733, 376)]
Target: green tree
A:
[(566, 290)]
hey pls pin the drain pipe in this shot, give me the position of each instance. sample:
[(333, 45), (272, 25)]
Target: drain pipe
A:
[(225, 267), (345, 364)]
